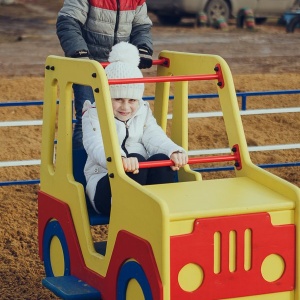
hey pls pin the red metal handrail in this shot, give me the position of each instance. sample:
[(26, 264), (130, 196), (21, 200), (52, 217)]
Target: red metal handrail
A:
[(161, 61), (198, 160), (163, 79), (165, 61)]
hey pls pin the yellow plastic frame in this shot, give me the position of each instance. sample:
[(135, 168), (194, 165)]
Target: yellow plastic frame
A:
[(155, 213)]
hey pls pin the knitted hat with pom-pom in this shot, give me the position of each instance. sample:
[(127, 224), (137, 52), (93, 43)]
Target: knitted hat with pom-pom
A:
[(124, 60)]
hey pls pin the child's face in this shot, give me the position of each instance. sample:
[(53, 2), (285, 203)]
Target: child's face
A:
[(124, 108)]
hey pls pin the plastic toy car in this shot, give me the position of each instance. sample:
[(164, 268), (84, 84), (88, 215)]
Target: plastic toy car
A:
[(231, 238)]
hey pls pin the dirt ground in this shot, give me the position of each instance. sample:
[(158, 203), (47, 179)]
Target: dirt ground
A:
[(263, 59)]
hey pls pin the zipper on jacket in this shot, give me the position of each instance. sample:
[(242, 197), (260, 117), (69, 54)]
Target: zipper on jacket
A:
[(126, 137), (117, 23)]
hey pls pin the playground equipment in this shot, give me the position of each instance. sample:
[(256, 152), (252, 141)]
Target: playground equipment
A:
[(232, 238)]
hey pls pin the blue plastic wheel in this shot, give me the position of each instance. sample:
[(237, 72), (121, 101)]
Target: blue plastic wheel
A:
[(132, 270), (55, 251)]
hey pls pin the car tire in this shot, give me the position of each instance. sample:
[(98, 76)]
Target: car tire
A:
[(260, 21), (217, 9), (168, 20), (293, 24)]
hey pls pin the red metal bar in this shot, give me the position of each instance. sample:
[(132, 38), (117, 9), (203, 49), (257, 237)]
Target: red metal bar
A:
[(161, 61), (163, 79), (195, 160), (165, 61)]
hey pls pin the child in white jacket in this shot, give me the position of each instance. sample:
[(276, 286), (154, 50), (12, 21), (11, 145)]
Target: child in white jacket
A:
[(140, 137)]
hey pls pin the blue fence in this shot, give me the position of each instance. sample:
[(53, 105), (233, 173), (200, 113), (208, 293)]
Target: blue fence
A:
[(243, 96)]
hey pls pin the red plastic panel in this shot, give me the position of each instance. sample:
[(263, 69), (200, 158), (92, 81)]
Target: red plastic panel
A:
[(128, 246), (198, 248)]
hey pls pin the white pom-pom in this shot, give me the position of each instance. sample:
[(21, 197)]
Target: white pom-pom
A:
[(124, 52)]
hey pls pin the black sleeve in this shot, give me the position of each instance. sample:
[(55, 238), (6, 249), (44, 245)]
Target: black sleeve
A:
[(141, 37), (70, 36)]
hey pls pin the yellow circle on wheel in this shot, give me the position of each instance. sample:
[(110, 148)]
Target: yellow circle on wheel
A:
[(134, 291), (57, 257)]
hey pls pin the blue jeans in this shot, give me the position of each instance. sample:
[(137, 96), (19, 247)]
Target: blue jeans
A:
[(81, 93)]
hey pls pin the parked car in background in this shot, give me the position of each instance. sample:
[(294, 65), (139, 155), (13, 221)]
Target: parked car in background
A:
[(170, 12)]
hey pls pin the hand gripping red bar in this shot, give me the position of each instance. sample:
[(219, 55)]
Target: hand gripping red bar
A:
[(198, 160)]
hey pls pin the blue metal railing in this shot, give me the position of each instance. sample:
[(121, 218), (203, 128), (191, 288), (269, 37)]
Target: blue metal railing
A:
[(244, 96)]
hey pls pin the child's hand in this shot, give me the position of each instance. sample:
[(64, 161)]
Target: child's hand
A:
[(130, 164), (180, 159)]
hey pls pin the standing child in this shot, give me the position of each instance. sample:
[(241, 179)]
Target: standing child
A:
[(140, 137), (89, 29)]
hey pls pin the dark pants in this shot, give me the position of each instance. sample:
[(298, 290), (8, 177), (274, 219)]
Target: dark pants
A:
[(81, 93), (144, 177)]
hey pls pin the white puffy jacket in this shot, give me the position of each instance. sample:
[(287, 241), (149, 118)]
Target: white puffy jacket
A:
[(140, 134)]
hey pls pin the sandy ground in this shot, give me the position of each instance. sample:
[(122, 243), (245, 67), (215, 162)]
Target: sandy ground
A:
[(261, 60)]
